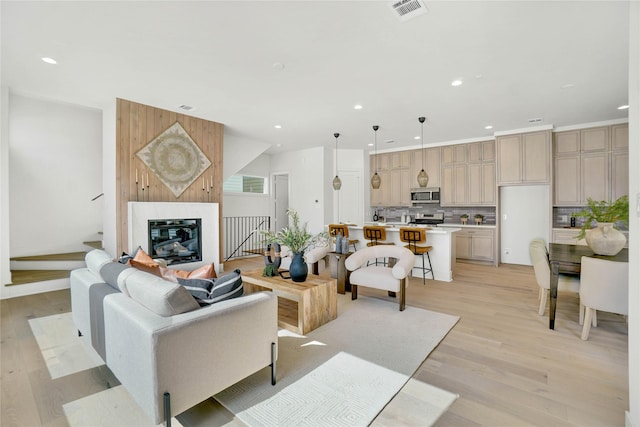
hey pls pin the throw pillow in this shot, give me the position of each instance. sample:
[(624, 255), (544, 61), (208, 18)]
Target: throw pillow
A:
[(209, 291), (142, 261), (204, 272)]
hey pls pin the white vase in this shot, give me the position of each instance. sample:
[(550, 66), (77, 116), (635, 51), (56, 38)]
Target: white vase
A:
[(605, 240)]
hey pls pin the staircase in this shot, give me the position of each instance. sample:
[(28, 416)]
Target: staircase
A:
[(42, 268)]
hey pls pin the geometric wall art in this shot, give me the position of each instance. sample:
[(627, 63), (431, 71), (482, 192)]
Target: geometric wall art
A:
[(175, 158)]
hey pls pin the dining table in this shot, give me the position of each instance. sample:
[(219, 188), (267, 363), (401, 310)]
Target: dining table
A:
[(566, 259)]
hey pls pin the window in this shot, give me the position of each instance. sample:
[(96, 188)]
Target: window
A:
[(244, 184)]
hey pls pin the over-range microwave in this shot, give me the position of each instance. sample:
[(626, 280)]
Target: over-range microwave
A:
[(425, 195)]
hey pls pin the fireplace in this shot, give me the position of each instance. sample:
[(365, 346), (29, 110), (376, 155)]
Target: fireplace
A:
[(204, 216), (177, 241)]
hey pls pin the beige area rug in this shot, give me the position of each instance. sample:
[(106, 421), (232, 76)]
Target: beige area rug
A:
[(343, 373), (64, 352)]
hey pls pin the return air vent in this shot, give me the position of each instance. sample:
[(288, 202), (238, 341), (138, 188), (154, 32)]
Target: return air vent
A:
[(408, 9), (186, 107), (536, 120)]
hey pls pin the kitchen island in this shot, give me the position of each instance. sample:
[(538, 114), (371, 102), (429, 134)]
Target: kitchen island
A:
[(443, 254)]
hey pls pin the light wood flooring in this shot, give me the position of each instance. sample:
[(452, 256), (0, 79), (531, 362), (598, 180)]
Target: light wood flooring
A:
[(507, 366)]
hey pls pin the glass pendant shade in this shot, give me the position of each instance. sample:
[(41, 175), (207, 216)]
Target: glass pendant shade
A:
[(375, 181), (337, 183), (423, 178)]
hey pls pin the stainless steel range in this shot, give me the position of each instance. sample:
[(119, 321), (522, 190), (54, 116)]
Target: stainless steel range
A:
[(429, 219)]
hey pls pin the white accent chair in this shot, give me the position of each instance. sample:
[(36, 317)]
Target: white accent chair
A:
[(604, 285), (312, 257), (540, 261), (392, 278)]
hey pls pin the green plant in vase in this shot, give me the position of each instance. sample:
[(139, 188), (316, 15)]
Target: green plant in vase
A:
[(603, 212), (479, 218), (297, 239), (464, 218)]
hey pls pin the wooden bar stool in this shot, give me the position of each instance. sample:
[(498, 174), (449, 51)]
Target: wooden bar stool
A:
[(335, 229), (377, 235), (413, 236)]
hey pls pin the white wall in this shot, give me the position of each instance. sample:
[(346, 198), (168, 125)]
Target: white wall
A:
[(633, 416), (307, 184), (109, 177), (238, 153), (5, 254), (55, 159)]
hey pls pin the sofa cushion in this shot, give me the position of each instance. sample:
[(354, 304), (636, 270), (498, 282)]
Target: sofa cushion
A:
[(110, 272), (209, 291), (205, 272), (95, 259), (158, 295)]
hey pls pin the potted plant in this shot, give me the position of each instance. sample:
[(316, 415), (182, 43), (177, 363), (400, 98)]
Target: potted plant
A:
[(605, 239), (297, 239), (464, 218), (479, 218)]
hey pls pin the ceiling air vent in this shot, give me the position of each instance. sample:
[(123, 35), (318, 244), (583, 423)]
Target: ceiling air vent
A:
[(407, 9), (536, 120), (186, 107)]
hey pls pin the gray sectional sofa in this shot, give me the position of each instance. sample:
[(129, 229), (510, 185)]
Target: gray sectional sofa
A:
[(167, 351)]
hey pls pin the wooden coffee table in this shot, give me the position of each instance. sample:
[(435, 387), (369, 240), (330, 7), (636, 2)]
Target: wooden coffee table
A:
[(314, 300)]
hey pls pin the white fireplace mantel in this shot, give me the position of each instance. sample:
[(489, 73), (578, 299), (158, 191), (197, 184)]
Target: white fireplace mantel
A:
[(141, 212)]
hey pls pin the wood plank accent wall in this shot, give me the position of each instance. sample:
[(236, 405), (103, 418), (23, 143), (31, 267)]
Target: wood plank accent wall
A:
[(137, 125)]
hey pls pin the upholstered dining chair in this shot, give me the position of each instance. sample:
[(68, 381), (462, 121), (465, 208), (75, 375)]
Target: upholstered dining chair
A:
[(391, 279), (540, 261), (335, 229), (604, 285)]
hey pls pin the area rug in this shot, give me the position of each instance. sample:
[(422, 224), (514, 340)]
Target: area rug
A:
[(63, 351), (344, 373)]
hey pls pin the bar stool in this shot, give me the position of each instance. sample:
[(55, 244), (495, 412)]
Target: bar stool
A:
[(376, 234), (334, 229), (412, 236)]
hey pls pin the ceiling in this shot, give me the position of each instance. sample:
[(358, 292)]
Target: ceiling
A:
[(304, 65)]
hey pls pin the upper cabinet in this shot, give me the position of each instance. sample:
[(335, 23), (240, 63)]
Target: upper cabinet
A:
[(393, 169), (469, 174), (430, 158), (590, 163), (524, 158)]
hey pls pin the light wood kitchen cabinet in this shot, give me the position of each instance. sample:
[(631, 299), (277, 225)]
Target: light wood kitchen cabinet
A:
[(524, 158), (484, 151), (400, 190), (395, 182), (482, 184), (454, 189), (594, 139), (599, 169), (476, 244), (619, 174), (620, 137), (454, 154), (400, 160), (432, 162)]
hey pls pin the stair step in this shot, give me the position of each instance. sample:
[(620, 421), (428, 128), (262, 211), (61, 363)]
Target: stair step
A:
[(21, 277), (96, 244), (63, 261)]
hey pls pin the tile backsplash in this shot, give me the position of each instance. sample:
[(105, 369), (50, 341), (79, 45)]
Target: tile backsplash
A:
[(451, 214)]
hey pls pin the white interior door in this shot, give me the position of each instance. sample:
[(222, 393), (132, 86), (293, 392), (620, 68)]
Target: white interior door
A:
[(349, 204), (281, 201), (525, 216)]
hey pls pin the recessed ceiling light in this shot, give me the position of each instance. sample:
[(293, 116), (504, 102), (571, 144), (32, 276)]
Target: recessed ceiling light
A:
[(357, 107), (567, 86), (416, 137), (49, 60), (278, 126), (488, 127), (623, 107), (370, 144), (456, 82), (278, 145)]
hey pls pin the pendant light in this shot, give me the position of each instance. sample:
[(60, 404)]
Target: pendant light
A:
[(375, 179), (337, 183), (423, 178)]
